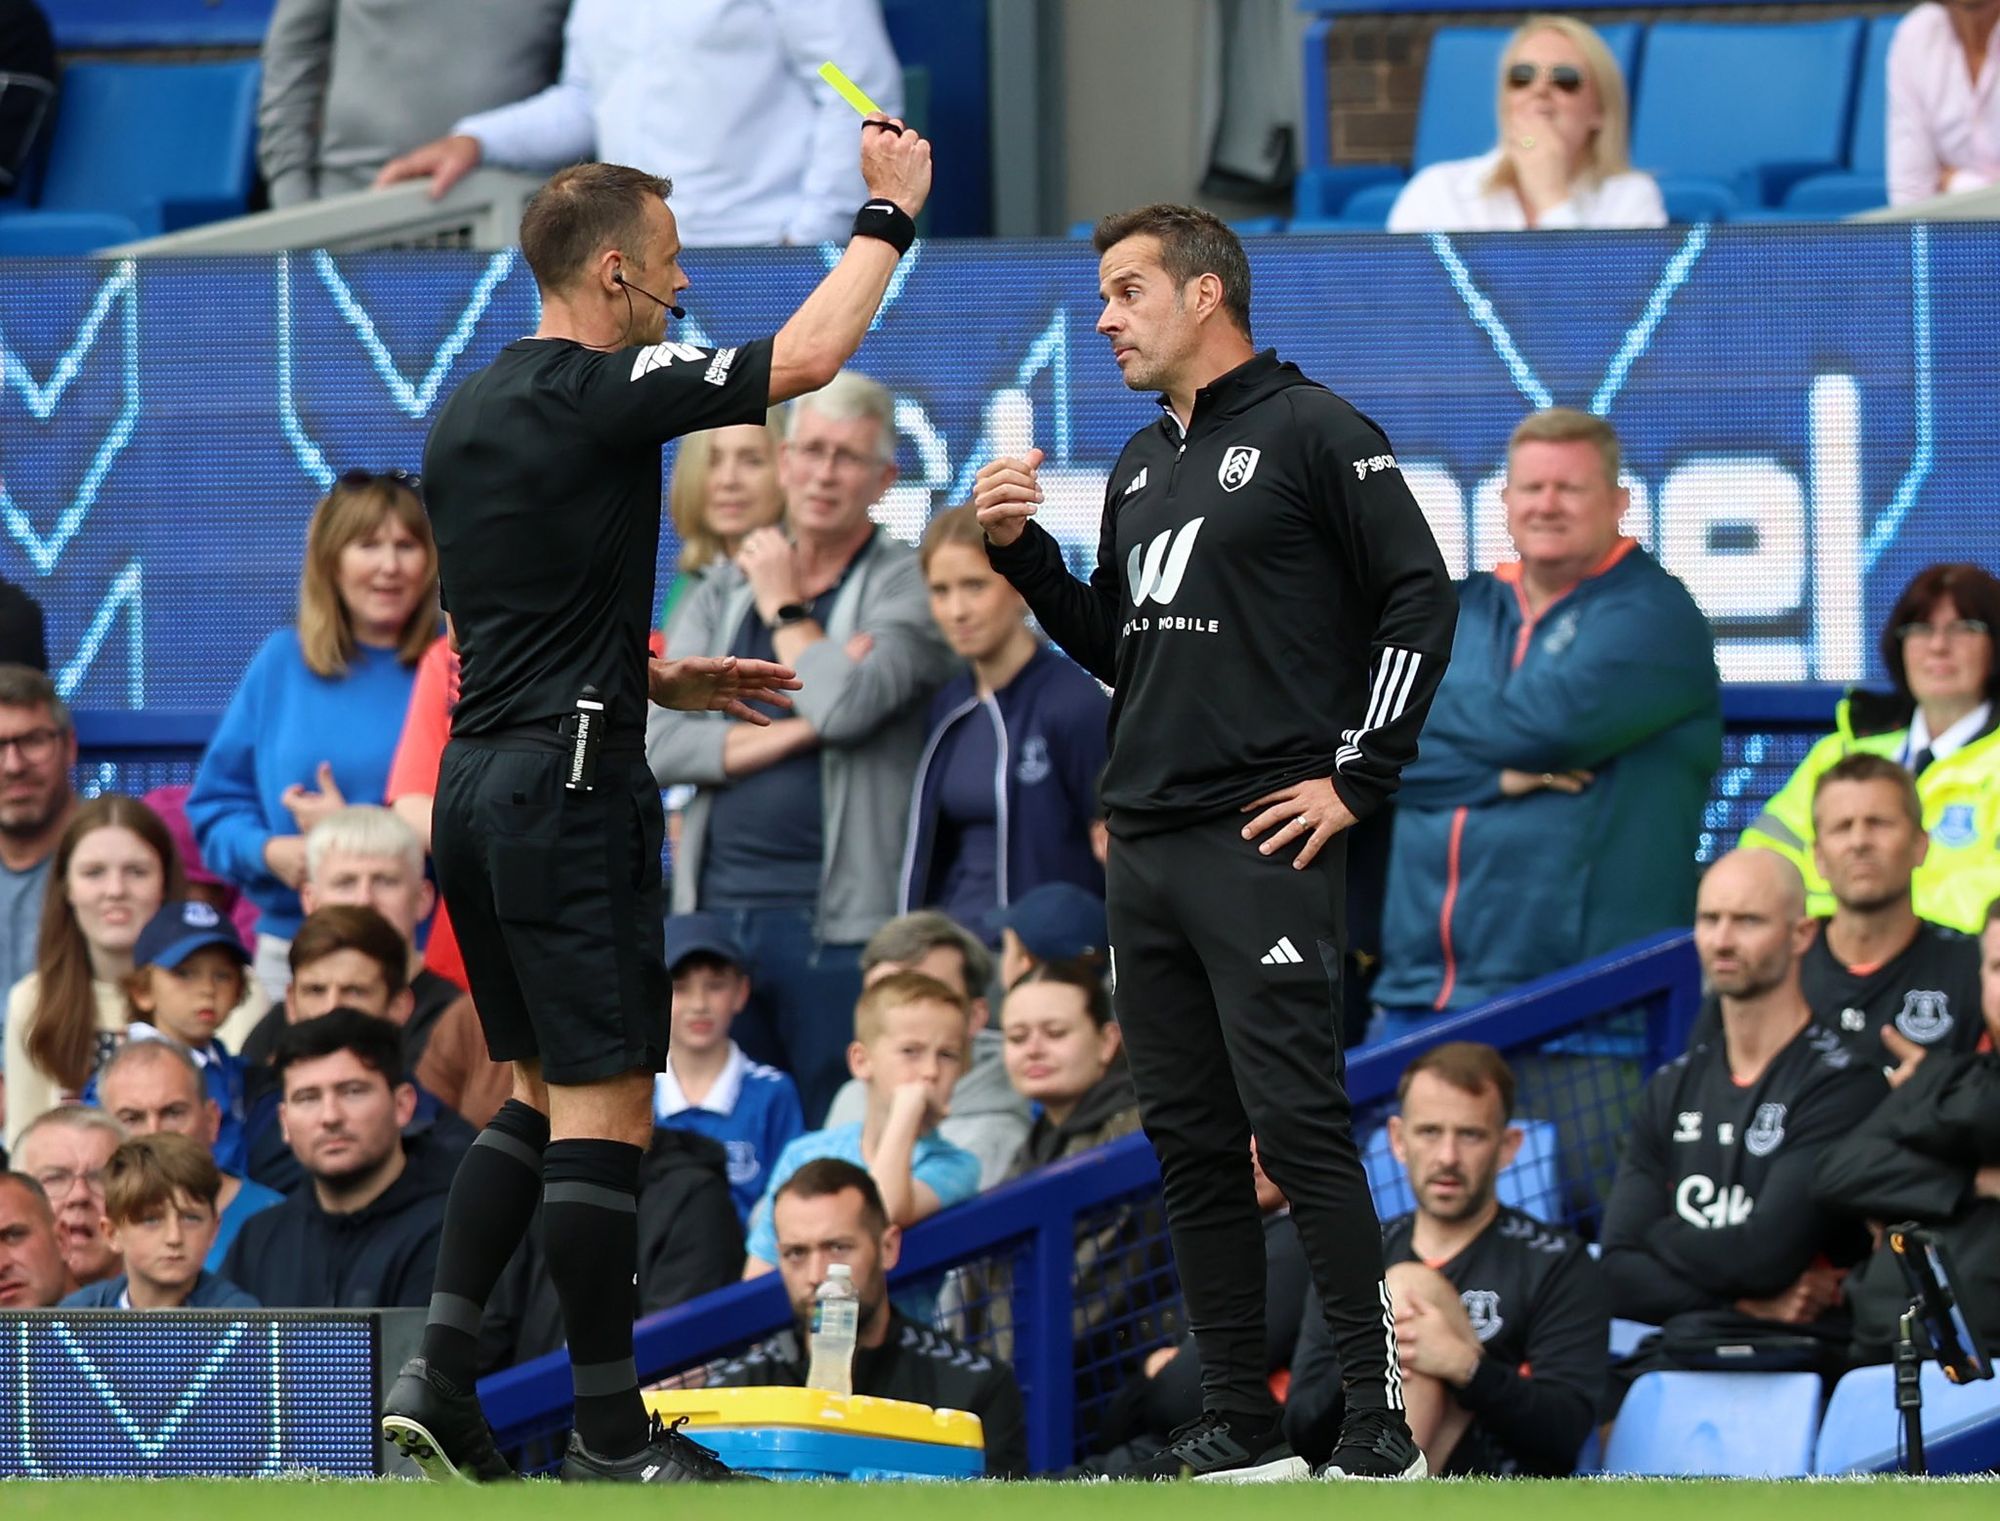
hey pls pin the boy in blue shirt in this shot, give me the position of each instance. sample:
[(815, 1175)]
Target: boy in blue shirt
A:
[(710, 1086), (912, 1040), (159, 1214)]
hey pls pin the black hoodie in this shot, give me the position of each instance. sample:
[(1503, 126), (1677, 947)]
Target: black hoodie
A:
[(1268, 604), (382, 1255), (1110, 1109), (690, 1241)]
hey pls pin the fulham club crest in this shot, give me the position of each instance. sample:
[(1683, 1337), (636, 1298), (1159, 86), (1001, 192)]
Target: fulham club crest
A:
[(1238, 465)]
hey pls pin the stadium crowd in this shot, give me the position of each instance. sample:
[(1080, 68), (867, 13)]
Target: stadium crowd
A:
[(241, 1064)]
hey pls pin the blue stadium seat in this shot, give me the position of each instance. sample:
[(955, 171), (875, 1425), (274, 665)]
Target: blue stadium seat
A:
[(59, 234), (105, 25), (1717, 1425), (1863, 1429), (1627, 1334), (167, 145), (1863, 184), (1530, 1183), (1455, 119), (1736, 114)]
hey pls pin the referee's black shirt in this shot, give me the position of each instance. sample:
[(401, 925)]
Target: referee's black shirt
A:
[(542, 477), (1268, 603)]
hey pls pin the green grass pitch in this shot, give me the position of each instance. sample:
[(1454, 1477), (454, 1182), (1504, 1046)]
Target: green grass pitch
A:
[(1457, 1500)]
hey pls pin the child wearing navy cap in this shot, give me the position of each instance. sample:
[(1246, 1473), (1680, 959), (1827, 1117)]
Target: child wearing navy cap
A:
[(188, 972), (709, 1085)]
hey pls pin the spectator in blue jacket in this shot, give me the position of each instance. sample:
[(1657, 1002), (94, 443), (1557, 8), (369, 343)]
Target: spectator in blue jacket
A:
[(316, 717), (1553, 812), (1007, 788)]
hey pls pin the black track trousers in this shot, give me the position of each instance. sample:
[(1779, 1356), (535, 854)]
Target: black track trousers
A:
[(1227, 972)]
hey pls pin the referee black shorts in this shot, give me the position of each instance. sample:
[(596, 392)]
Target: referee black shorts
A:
[(556, 899)]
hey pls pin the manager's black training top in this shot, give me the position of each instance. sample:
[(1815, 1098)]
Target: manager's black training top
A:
[(1268, 604), (542, 477)]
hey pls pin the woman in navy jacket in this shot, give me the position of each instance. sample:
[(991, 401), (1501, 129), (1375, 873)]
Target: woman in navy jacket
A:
[(1007, 787)]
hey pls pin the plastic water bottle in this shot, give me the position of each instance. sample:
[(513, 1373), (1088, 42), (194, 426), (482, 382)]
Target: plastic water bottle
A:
[(836, 1322)]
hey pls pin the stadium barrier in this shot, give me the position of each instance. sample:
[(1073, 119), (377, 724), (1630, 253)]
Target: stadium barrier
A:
[(1001, 1269)]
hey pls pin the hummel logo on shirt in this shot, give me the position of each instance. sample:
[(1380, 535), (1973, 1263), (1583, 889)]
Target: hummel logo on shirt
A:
[(1284, 953), (1138, 481)]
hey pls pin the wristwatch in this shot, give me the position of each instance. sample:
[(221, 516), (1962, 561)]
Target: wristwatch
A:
[(790, 613)]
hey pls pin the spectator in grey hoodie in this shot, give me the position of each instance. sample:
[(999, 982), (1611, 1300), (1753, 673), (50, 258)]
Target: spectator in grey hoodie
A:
[(795, 834), (348, 84)]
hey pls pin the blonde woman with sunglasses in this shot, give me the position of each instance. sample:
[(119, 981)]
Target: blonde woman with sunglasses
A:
[(1561, 158)]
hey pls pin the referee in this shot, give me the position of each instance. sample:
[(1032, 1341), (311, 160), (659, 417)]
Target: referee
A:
[(543, 483), (1274, 616)]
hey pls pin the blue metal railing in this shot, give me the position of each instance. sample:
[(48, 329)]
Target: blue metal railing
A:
[(1653, 984)]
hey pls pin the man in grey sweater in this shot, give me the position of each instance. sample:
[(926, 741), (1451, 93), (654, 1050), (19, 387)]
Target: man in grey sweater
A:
[(795, 834), (349, 84)]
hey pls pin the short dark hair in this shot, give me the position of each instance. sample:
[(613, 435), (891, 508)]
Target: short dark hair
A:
[(824, 1177), (375, 1043), (1865, 766), (1470, 1066), (1993, 913), (31, 1185), (582, 210), (1972, 590), (352, 927), (22, 686), (1192, 243), (1085, 974)]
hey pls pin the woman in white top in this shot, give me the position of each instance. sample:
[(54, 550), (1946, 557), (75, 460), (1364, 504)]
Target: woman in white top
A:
[(1561, 161), (1944, 101), (112, 869)]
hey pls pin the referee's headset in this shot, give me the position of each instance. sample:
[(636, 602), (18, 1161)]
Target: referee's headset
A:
[(618, 279)]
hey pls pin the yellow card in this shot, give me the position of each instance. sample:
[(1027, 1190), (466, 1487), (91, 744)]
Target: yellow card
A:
[(849, 91)]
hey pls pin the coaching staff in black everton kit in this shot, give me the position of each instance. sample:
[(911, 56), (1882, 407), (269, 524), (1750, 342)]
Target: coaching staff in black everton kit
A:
[(543, 482), (1274, 616)]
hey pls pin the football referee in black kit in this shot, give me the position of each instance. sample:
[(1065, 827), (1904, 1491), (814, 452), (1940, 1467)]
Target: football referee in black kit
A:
[(1274, 616), (542, 476)]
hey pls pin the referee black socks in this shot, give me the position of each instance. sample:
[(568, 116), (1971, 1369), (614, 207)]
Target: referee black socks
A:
[(493, 1198), (590, 1235)]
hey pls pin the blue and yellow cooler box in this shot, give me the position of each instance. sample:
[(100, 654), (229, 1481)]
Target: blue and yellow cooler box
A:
[(809, 1434)]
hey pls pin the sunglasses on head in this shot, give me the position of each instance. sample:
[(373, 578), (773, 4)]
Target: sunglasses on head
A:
[(409, 480), (1564, 76)]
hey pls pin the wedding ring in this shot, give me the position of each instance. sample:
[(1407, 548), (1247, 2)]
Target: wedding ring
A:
[(1527, 142)]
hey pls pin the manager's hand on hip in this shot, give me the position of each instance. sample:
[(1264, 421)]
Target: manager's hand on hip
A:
[(720, 684), (1311, 811), (1005, 494), (895, 165)]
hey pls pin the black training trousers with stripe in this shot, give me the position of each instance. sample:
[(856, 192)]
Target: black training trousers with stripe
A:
[(1227, 986)]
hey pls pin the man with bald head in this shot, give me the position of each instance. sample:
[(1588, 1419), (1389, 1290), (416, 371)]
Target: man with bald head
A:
[(33, 1275), (1711, 1230)]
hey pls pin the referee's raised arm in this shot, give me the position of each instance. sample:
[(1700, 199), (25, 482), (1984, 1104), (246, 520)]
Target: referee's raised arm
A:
[(828, 327)]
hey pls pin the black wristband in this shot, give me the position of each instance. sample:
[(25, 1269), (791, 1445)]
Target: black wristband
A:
[(886, 220)]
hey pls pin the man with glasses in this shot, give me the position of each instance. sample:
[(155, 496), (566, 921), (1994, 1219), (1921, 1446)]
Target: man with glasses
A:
[(37, 749), (796, 831), (65, 1151)]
